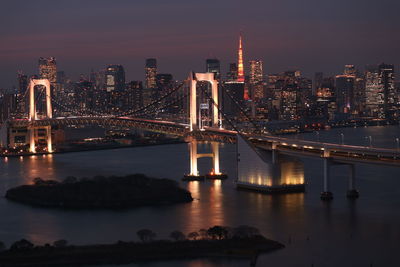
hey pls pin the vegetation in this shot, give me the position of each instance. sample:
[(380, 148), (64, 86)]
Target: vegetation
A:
[(217, 241), (100, 192)]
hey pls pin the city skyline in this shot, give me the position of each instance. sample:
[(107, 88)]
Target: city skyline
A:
[(309, 40)]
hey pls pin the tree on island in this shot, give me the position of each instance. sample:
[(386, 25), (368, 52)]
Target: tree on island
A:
[(193, 235), (22, 244), (38, 181), (177, 236), (218, 232), (146, 235), (203, 233)]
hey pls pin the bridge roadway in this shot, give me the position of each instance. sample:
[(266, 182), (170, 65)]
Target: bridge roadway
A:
[(338, 153)]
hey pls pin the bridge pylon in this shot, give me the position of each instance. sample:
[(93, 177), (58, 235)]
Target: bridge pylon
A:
[(33, 113), (193, 79)]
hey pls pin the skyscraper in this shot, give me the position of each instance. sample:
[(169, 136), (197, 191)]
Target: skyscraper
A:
[(380, 93), (151, 73), (349, 70), (115, 78), (135, 94), (240, 62), (232, 73), (256, 71), (386, 78), (345, 93), (48, 69), (21, 98), (256, 79), (213, 65)]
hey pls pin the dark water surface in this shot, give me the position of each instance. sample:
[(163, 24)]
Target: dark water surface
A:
[(340, 233)]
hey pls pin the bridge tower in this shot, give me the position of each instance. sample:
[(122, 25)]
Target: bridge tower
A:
[(193, 79), (33, 114)]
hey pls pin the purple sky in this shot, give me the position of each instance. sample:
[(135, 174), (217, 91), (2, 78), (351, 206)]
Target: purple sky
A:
[(310, 35)]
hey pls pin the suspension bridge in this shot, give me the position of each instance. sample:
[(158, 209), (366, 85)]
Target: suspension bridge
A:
[(220, 128)]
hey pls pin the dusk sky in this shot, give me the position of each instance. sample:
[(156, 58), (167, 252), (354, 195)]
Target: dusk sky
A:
[(310, 35)]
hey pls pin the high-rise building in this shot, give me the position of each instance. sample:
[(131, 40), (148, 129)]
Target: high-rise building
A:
[(318, 78), (345, 93), (349, 70), (213, 65), (256, 80), (380, 92), (84, 95), (135, 93), (232, 74), (48, 69), (21, 97), (386, 78), (256, 71), (115, 78), (240, 65), (151, 73)]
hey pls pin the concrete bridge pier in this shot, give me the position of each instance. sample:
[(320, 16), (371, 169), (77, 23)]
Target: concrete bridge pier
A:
[(49, 140), (326, 194), (193, 158), (32, 143), (194, 174), (274, 152), (352, 193)]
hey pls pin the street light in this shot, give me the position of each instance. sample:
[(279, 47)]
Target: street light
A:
[(397, 144), (317, 136), (342, 138), (370, 140)]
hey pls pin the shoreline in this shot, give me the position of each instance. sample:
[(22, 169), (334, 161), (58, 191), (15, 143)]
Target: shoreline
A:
[(134, 252)]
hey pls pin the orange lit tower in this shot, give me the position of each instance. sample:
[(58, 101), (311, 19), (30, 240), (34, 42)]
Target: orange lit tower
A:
[(240, 62)]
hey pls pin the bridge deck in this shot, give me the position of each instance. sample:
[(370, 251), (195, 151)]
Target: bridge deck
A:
[(340, 153)]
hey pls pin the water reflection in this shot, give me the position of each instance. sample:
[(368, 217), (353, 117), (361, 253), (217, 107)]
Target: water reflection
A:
[(207, 207)]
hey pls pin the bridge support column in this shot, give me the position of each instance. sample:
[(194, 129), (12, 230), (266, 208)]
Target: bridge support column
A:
[(215, 151), (32, 143), (193, 158), (274, 152), (326, 194), (352, 192), (49, 140)]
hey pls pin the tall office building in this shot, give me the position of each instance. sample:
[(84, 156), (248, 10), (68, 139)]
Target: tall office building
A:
[(256, 71), (232, 73), (345, 93), (115, 78), (48, 69), (213, 65), (349, 70), (386, 78), (256, 80), (151, 73), (240, 65), (318, 78), (135, 94), (21, 97), (380, 92)]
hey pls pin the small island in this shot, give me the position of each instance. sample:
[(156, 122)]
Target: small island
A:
[(244, 242), (114, 192)]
